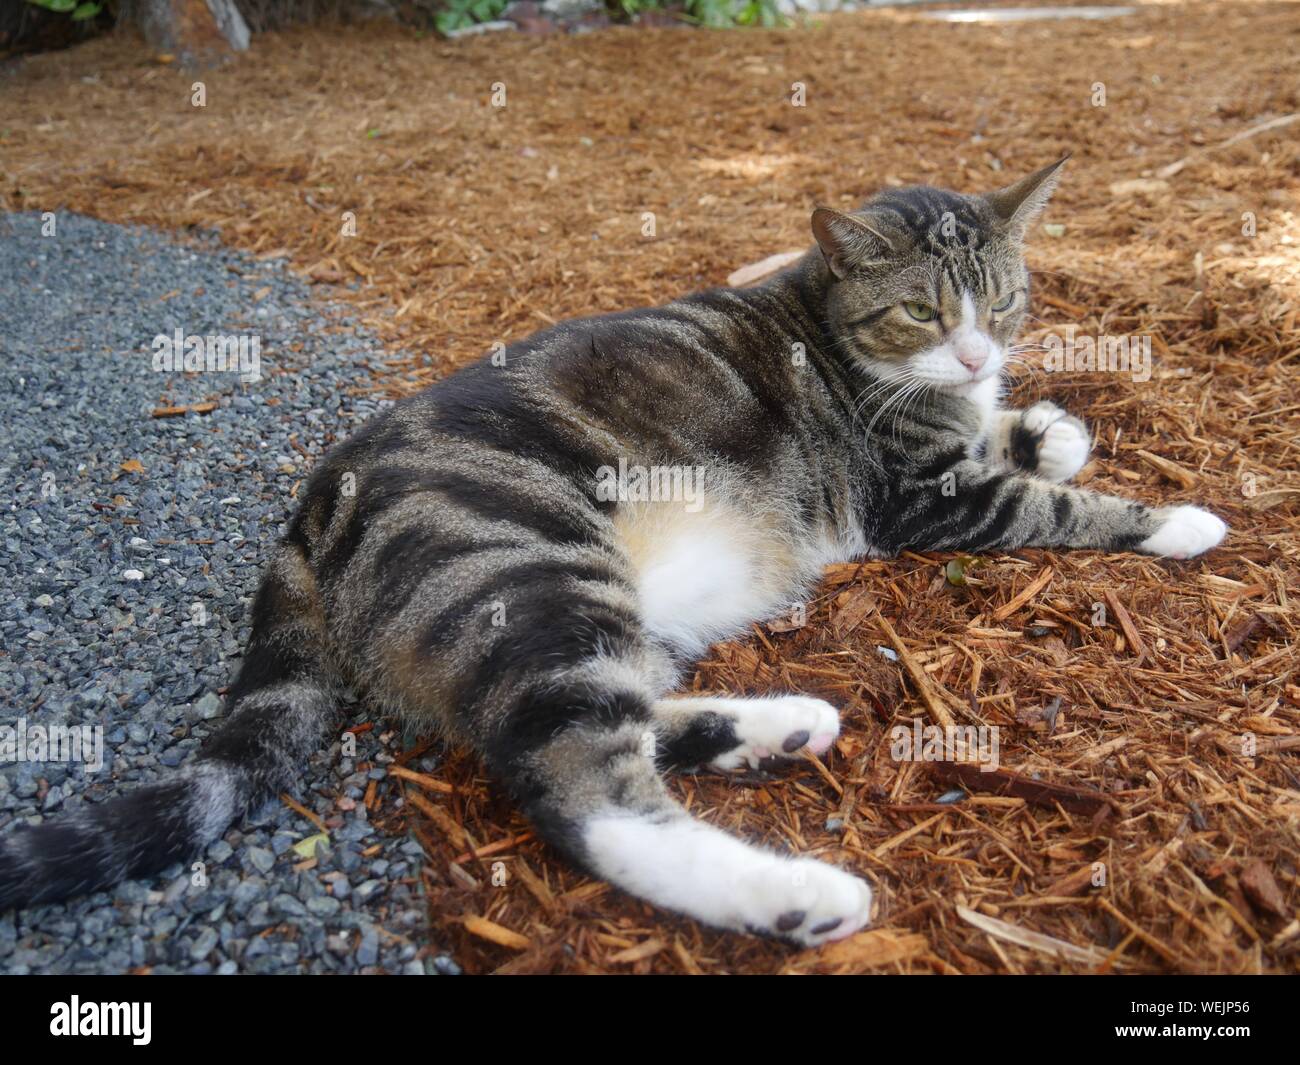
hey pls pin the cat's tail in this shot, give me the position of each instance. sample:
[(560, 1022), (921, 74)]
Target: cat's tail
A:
[(282, 703)]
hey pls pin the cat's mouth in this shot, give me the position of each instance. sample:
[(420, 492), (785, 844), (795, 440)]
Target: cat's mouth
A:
[(965, 388), (956, 378)]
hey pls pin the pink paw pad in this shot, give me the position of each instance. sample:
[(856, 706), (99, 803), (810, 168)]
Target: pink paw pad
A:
[(821, 743)]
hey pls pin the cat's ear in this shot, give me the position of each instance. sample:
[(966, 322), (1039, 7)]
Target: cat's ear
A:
[(847, 240), (1019, 204)]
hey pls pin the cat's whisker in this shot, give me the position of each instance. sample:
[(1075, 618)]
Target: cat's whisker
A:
[(875, 388), (892, 400), (921, 389)]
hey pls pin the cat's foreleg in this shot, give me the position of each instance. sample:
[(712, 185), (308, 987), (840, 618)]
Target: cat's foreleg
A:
[(728, 733), (970, 507), (1043, 440)]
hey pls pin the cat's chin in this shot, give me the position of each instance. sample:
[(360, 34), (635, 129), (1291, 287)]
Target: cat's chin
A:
[(970, 389), (985, 393)]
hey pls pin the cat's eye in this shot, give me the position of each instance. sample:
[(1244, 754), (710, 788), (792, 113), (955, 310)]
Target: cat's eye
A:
[(1004, 304), (922, 312)]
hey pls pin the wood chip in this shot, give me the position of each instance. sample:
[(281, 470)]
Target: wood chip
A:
[(1023, 937), (1039, 792), (495, 933), (1126, 624), (864, 951), (1180, 475), (1262, 890), (1027, 593)]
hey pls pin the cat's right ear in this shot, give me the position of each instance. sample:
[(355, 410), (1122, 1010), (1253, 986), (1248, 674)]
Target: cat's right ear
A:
[(847, 240)]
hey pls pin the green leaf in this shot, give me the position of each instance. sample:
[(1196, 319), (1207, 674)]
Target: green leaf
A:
[(958, 568), (306, 848), (452, 20), (60, 6), (86, 10)]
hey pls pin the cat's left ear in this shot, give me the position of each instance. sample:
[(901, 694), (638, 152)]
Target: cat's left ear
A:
[(1019, 204)]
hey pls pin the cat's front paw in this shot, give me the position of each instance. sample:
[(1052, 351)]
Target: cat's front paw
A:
[(1184, 532), (1057, 444), (805, 901)]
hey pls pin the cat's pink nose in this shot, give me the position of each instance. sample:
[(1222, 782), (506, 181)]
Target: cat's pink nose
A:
[(972, 358)]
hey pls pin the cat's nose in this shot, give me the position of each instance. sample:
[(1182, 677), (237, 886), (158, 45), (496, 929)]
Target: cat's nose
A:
[(972, 357)]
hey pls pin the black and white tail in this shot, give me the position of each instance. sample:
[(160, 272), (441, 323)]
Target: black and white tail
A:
[(282, 704)]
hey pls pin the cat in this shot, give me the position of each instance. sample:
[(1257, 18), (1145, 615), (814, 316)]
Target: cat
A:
[(520, 557)]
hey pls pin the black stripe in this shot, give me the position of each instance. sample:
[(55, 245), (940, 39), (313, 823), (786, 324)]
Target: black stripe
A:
[(443, 628), (542, 713), (482, 403), (410, 558)]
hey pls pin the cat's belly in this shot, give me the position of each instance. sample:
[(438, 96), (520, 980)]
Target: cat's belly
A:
[(703, 577)]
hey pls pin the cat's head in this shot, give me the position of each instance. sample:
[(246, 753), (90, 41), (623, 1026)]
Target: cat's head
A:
[(928, 285)]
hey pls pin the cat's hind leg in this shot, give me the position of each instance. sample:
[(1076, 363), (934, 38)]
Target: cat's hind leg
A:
[(601, 797), (729, 732), (581, 755)]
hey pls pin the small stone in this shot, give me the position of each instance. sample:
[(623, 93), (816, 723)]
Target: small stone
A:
[(444, 965), (208, 707), (260, 859), (323, 906), (368, 950), (204, 944)]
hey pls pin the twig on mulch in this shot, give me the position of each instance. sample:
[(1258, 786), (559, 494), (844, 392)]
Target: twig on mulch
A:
[(1040, 792)]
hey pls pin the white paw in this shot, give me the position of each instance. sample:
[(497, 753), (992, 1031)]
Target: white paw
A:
[(1063, 450), (803, 900), (779, 726), (1038, 417), (1185, 533), (1063, 442)]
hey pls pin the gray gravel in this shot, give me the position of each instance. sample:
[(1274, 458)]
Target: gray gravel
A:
[(126, 594)]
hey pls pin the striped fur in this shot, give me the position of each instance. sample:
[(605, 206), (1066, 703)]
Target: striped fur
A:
[(456, 562)]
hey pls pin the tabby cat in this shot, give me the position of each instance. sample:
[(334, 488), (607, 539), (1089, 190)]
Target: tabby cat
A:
[(530, 553)]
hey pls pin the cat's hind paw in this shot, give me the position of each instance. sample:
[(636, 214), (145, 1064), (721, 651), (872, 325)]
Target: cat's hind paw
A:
[(1184, 532), (804, 901)]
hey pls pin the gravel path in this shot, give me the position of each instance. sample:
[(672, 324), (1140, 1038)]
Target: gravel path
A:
[(127, 590)]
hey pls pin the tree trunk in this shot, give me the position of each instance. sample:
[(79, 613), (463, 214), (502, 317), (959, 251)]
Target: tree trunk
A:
[(197, 32)]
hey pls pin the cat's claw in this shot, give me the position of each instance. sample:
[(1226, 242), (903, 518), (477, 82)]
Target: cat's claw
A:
[(780, 726), (1185, 532), (1063, 441), (804, 901)]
